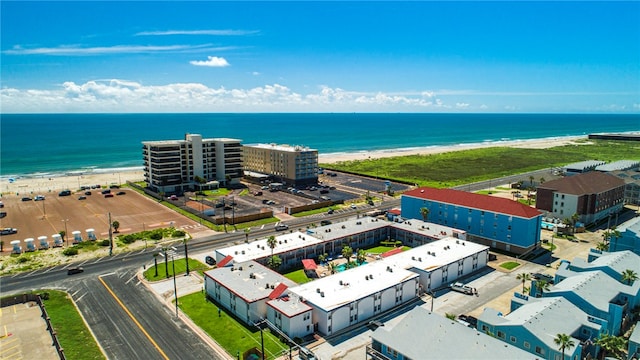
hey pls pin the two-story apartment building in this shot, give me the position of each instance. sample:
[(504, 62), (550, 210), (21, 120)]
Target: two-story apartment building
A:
[(496, 222), (171, 166)]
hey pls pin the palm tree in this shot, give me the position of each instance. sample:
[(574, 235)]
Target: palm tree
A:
[(186, 253), (332, 267), (425, 213), (564, 342), (347, 252), (246, 234), (542, 286), (116, 225), (531, 177), (361, 256), (629, 276), (1, 246), (272, 242), (602, 246), (155, 262), (274, 262), (322, 258), (612, 344), (542, 180), (524, 277)]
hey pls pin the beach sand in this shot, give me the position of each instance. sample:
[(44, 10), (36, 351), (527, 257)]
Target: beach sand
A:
[(528, 144), (45, 185)]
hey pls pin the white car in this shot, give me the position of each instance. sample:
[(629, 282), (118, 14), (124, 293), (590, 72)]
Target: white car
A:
[(39, 197), (460, 287)]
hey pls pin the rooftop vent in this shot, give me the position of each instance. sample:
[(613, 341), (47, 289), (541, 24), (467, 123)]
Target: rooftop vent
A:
[(371, 277), (420, 259), (318, 290), (322, 294), (433, 253), (240, 268)]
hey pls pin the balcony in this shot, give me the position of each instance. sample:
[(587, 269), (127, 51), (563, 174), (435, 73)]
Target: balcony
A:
[(375, 354)]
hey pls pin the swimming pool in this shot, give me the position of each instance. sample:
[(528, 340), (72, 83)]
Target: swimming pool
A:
[(343, 267)]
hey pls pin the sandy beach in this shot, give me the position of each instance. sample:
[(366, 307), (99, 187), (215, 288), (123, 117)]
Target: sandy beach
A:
[(528, 144), (44, 185)]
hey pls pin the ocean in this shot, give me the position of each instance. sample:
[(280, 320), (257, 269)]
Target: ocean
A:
[(51, 144)]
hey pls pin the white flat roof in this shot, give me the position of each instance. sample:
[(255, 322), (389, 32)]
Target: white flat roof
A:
[(436, 254), (289, 305), (281, 147), (259, 249), (350, 285)]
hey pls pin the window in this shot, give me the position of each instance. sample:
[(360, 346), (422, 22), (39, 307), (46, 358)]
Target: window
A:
[(512, 339), (539, 350), (527, 345), (501, 334), (485, 328)]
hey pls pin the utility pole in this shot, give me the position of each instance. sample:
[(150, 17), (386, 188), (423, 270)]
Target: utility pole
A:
[(110, 237)]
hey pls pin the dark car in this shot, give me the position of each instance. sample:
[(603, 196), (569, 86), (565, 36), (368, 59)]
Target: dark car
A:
[(75, 270), (106, 191), (26, 198), (540, 276), (108, 195), (87, 192), (64, 193), (325, 222), (121, 193), (3, 214), (210, 260), (8, 231), (82, 197), (330, 211), (114, 187)]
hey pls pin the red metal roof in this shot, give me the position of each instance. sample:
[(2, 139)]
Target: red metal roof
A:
[(474, 201), (392, 252), (278, 291), (225, 261), (309, 264), (395, 211)]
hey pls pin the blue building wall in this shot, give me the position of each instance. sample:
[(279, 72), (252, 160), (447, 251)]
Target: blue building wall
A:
[(629, 240), (502, 231)]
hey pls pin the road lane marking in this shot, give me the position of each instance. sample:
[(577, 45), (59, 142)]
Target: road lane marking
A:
[(133, 318)]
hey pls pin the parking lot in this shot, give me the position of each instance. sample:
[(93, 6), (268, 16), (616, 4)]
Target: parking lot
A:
[(56, 213)]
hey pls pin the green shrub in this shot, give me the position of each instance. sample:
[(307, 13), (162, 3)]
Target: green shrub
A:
[(156, 236), (70, 251), (128, 239), (178, 233), (23, 259), (104, 242)]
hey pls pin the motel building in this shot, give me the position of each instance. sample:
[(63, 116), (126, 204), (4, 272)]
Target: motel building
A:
[(360, 233), (329, 304)]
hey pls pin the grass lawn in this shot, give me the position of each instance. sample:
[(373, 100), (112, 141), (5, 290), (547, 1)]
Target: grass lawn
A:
[(298, 276), (74, 336), (181, 268), (226, 330), (510, 265), (312, 212), (467, 166), (383, 249)]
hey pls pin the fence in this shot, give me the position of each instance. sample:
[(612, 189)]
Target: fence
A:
[(24, 298)]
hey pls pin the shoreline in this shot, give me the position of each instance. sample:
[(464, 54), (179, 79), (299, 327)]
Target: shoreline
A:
[(543, 143), (50, 184)]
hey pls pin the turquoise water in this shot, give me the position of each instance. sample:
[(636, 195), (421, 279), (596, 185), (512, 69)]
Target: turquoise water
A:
[(343, 267), (43, 144)]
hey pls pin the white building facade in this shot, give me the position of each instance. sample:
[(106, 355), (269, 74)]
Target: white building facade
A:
[(292, 165)]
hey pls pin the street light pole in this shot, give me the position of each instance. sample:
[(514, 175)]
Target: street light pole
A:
[(66, 238), (175, 286)]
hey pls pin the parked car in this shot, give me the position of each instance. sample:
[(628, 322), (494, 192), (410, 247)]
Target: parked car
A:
[(38, 198), (1, 204), (75, 270), (82, 197), (106, 191), (26, 198), (8, 231), (353, 206), (460, 287), (121, 193), (173, 197), (210, 260), (87, 192), (330, 211), (114, 187), (64, 193), (3, 214), (108, 195), (281, 227), (325, 222)]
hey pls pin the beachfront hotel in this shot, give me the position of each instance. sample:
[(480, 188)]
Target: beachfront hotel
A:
[(496, 222), (245, 286), (171, 166), (290, 165)]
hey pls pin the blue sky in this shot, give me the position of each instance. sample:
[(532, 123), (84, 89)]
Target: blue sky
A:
[(320, 56)]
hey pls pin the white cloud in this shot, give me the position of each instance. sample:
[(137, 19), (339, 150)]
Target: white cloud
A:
[(462, 105), (213, 61), (199, 32), (255, 73), (77, 50)]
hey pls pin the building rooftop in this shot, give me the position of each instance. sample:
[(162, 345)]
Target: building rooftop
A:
[(618, 165), (350, 285), (582, 165), (249, 280), (290, 306), (474, 201), (592, 182), (594, 287), (435, 255), (544, 318), (281, 147), (422, 334)]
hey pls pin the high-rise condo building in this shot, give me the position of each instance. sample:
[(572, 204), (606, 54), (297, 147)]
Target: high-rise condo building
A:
[(291, 165), (175, 166)]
